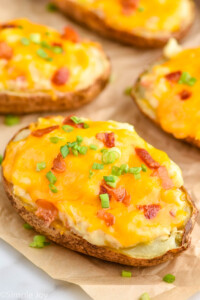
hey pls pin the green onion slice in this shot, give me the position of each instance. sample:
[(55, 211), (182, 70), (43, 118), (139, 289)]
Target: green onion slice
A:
[(109, 156), (105, 200), (11, 120), (39, 241), (169, 278), (97, 166), (67, 128), (40, 166), (64, 150), (51, 177), (126, 274)]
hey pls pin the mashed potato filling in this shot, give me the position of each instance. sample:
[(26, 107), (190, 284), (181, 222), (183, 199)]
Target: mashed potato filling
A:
[(152, 210)]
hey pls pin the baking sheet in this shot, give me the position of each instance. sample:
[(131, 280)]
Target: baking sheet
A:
[(102, 280)]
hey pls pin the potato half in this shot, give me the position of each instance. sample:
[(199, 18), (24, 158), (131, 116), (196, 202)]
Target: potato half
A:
[(99, 189)]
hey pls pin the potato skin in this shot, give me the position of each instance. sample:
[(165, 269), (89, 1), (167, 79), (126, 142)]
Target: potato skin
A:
[(82, 16), (13, 102), (135, 96), (74, 242)]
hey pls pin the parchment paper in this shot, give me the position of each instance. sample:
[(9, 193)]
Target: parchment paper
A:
[(102, 280)]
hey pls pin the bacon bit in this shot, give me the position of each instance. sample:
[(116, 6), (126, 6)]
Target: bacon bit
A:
[(172, 213), (70, 34), (107, 217), (174, 76), (59, 165), (184, 94), (60, 77), (162, 173), (5, 26), (119, 194), (43, 131), (46, 210), (146, 158), (69, 121), (57, 44), (107, 138), (6, 51), (129, 6), (150, 211)]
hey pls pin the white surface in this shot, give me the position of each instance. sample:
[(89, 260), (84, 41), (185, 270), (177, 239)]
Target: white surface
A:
[(21, 280)]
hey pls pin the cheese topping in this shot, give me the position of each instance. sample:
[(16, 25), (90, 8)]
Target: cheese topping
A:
[(36, 58), (145, 200), (140, 16), (171, 92)]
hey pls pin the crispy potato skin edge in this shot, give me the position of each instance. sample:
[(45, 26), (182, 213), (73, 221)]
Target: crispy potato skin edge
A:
[(24, 103), (94, 22), (77, 243)]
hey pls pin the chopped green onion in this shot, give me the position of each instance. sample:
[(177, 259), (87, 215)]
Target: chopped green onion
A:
[(24, 41), (137, 176), (75, 152), (105, 201), (51, 7), (40, 166), (41, 53), (1, 159), (11, 120), (55, 139), (187, 79), (128, 91), (39, 241), (97, 166), (144, 168), (110, 178), (169, 278), (140, 9), (93, 147), (51, 177), (109, 156), (116, 171), (27, 226), (35, 38), (44, 44), (126, 274), (64, 150), (91, 174), (79, 139), (135, 170), (83, 150), (124, 168), (53, 188), (85, 125), (144, 296), (57, 49), (76, 120), (71, 145), (67, 128)]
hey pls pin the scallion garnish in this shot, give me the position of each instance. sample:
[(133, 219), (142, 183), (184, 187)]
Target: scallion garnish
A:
[(135, 170), (51, 177), (44, 44), (67, 128), (64, 150), (79, 139), (40, 166), (85, 125), (140, 9), (116, 171), (57, 49), (11, 120), (53, 188), (55, 139), (126, 274), (24, 41), (124, 168), (51, 7), (91, 174), (137, 176), (144, 296), (76, 120), (93, 147), (39, 241), (105, 201), (27, 226), (75, 152), (187, 79), (128, 91), (1, 159), (41, 53), (111, 180), (97, 166), (109, 156), (169, 278), (83, 150), (144, 168)]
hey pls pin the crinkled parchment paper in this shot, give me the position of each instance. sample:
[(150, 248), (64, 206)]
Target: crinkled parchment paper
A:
[(102, 280)]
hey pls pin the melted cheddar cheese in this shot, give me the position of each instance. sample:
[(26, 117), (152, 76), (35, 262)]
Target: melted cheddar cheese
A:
[(174, 103), (145, 17), (77, 189), (32, 55)]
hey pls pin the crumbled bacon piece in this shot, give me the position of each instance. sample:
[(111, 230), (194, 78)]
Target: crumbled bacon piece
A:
[(146, 158), (119, 194), (59, 165), (69, 121), (43, 131), (107, 217), (162, 173), (174, 76), (61, 76), (57, 44), (70, 34), (150, 211), (129, 6), (107, 138), (7, 25), (6, 51), (46, 211), (184, 95)]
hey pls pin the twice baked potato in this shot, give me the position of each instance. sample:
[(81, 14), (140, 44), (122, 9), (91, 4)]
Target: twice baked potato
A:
[(99, 189), (140, 23), (43, 70), (168, 93)]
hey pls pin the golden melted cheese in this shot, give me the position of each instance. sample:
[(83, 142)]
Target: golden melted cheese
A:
[(151, 16), (178, 116), (77, 198), (30, 71)]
